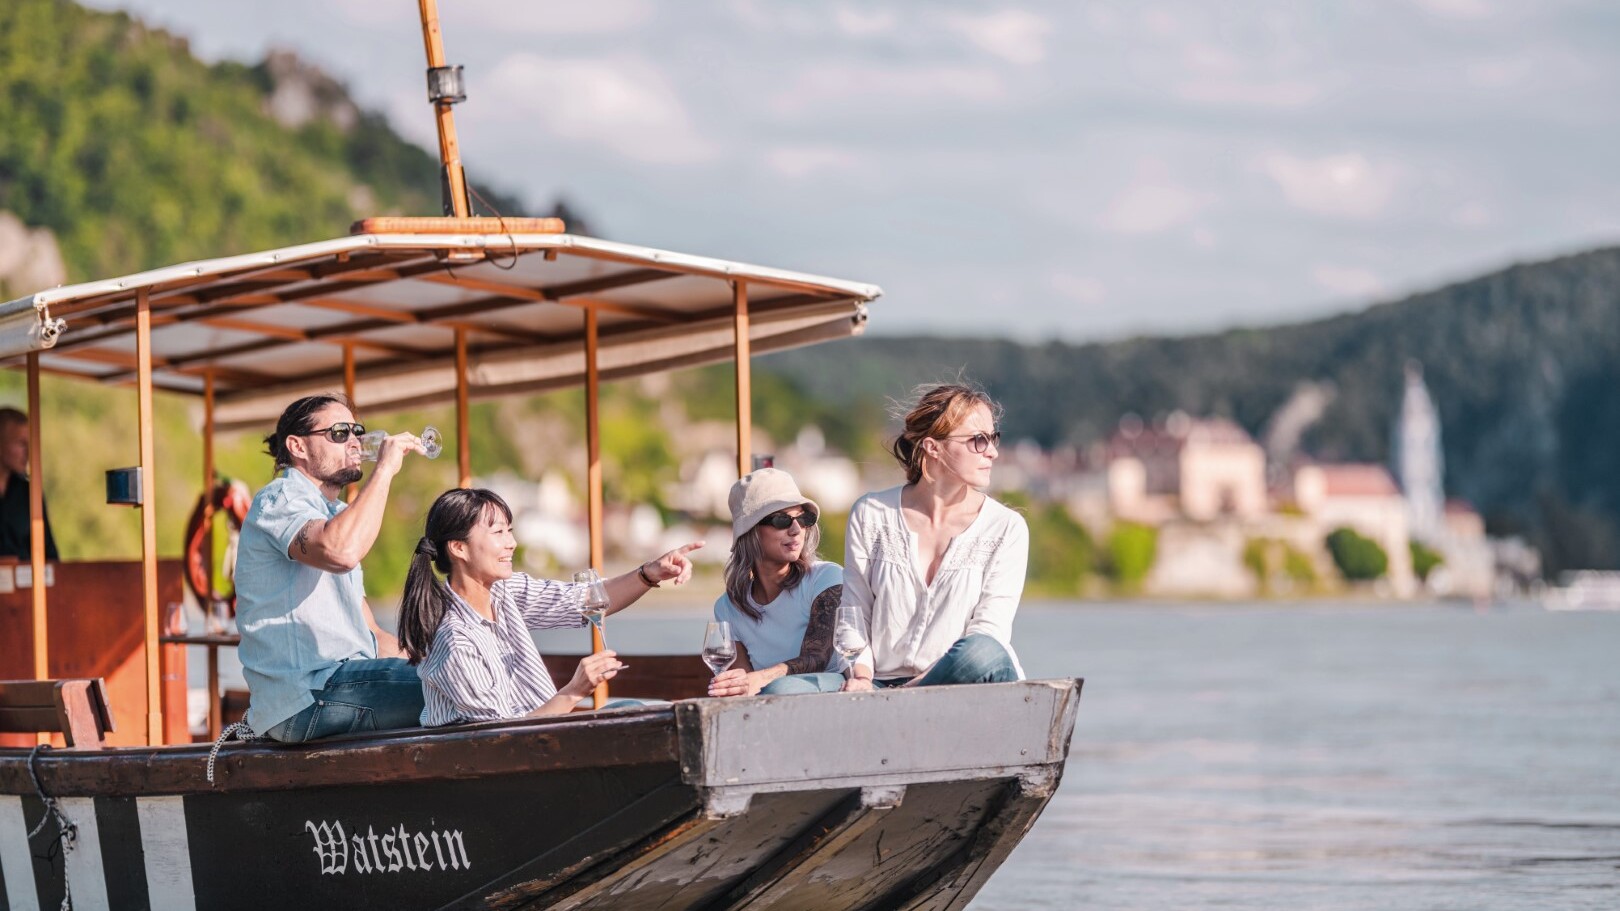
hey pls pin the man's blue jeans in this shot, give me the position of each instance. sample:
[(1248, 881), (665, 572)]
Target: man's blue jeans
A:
[(363, 694), (971, 659)]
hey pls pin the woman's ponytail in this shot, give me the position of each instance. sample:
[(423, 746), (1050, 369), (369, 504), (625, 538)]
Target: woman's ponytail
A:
[(422, 607)]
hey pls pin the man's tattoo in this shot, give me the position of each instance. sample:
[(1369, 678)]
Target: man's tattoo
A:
[(303, 539), (818, 633)]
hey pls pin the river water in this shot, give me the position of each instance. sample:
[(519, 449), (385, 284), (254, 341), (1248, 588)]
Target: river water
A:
[(1327, 758), (1310, 757)]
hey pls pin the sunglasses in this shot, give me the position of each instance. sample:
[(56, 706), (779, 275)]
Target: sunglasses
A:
[(781, 520), (337, 433), (980, 442)]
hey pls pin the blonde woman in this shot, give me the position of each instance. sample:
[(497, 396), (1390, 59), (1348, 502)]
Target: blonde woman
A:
[(935, 568)]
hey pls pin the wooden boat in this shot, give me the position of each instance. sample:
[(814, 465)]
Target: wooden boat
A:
[(895, 799)]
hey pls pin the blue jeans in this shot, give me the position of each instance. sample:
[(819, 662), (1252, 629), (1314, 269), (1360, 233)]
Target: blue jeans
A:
[(970, 659), (363, 694), (629, 703), (798, 684)]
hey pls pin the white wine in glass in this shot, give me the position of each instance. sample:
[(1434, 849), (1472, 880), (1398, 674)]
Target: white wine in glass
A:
[(719, 649), (595, 604), (849, 633), (371, 444)]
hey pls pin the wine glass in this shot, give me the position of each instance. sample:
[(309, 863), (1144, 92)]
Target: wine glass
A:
[(849, 633), (371, 443), (719, 649), (595, 603), (432, 442)]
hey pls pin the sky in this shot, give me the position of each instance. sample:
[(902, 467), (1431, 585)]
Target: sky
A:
[(1082, 170)]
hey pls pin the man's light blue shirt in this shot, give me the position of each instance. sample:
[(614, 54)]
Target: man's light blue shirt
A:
[(298, 623)]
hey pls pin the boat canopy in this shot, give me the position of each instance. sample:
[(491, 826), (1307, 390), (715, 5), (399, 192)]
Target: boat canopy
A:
[(392, 301)]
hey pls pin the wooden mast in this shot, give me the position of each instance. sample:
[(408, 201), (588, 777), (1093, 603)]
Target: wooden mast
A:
[(149, 599), (455, 179)]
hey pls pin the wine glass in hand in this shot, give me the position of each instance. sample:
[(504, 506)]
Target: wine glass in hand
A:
[(371, 444), (849, 633), (719, 649), (595, 603)]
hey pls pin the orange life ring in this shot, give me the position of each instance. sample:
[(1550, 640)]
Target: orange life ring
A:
[(233, 498)]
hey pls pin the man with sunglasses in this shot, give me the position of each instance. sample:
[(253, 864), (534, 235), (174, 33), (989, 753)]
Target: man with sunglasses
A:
[(315, 660)]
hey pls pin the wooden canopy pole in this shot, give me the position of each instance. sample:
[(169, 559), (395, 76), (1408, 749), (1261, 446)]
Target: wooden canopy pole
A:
[(348, 393), (208, 472), (745, 395), (593, 471), (149, 581), (449, 150), (348, 372), (36, 530), (463, 444), (215, 717)]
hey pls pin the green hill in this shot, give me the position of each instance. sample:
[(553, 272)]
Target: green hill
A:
[(135, 154), (1523, 364)]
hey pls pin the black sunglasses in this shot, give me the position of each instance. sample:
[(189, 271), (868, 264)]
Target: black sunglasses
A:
[(980, 442), (781, 520), (337, 433)]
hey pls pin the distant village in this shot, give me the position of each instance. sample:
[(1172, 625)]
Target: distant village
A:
[(1216, 513)]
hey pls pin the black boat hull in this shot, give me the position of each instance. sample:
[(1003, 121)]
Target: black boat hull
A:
[(895, 799)]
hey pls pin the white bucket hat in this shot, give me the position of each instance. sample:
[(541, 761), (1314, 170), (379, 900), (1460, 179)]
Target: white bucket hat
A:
[(760, 493)]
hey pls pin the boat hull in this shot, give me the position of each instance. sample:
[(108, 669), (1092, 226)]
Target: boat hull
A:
[(889, 799)]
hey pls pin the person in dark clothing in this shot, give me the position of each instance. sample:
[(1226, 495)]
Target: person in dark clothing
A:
[(14, 531)]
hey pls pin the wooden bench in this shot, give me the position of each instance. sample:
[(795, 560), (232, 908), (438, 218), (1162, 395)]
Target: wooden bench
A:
[(77, 709), (669, 677), (646, 676)]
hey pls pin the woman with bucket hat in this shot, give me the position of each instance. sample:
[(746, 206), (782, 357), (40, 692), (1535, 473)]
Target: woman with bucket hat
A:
[(780, 600)]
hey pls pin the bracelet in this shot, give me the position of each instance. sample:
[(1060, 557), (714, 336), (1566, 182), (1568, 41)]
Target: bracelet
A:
[(641, 571)]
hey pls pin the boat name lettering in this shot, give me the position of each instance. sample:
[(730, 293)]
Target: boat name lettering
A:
[(342, 850)]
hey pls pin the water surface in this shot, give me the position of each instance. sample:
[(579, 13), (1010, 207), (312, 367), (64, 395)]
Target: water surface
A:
[(1308, 757)]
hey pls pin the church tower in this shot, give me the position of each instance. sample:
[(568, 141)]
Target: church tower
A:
[(1418, 463)]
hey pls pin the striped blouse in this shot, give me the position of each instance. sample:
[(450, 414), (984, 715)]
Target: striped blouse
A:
[(486, 670)]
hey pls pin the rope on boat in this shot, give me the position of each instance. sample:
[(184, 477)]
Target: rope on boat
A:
[(68, 835), (240, 731)]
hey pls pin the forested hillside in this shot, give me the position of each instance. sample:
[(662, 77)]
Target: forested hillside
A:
[(1524, 365), (135, 154)]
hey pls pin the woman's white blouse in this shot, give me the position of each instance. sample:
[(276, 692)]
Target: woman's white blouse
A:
[(911, 624)]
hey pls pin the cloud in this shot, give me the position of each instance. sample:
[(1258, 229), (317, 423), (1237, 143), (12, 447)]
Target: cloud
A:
[(1082, 289), (1473, 215), (1015, 35), (1458, 9), (803, 161), (624, 103), (1347, 281), (1281, 94), (864, 23), (1148, 207), (834, 85), (1343, 186), (596, 17)]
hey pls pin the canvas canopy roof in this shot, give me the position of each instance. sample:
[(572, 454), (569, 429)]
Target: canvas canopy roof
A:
[(274, 326)]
